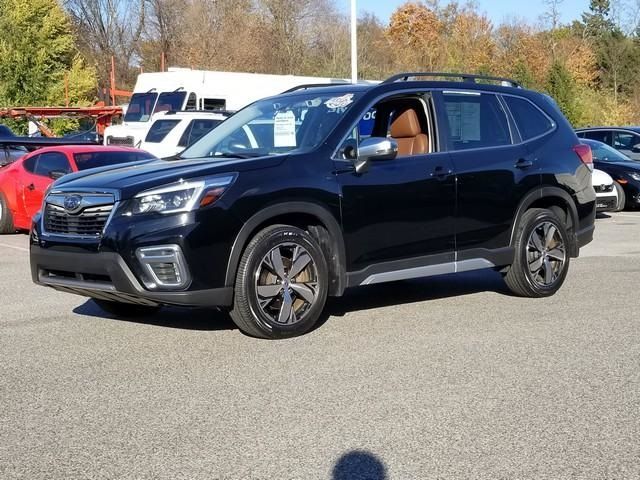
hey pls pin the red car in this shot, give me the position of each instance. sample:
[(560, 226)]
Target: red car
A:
[(24, 182)]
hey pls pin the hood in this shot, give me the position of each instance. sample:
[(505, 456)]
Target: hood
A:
[(627, 165), (132, 178), (599, 177)]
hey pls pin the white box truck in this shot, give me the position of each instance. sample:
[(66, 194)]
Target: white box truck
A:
[(186, 89)]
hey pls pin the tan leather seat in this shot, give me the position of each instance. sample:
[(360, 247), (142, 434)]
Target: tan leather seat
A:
[(407, 132)]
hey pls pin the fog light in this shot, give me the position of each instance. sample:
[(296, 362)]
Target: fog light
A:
[(164, 266)]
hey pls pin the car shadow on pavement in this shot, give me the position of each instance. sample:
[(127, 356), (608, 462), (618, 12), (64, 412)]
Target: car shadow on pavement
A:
[(418, 290), (170, 317), (359, 298)]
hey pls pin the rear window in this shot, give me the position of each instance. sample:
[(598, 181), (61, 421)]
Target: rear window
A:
[(160, 129), (88, 160), (530, 120), (196, 130), (476, 121)]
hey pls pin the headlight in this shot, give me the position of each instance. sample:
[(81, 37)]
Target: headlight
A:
[(180, 196), (635, 176)]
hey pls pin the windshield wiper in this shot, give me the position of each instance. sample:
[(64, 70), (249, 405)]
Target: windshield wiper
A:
[(236, 155)]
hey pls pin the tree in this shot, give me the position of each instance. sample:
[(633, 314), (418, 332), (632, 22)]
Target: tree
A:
[(597, 21), (562, 88), (37, 52)]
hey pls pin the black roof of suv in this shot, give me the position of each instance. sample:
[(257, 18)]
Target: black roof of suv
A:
[(302, 195)]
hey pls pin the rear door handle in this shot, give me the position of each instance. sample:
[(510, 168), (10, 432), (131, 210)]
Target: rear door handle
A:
[(522, 163), (441, 173)]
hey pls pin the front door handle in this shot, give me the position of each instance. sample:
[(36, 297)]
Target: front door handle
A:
[(441, 173), (522, 163), (31, 187)]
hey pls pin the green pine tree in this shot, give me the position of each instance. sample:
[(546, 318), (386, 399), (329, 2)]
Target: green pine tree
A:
[(37, 51), (562, 88)]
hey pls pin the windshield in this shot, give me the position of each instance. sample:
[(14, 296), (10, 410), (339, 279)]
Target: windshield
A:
[(170, 101), (604, 153), (140, 107), (288, 124), (85, 161)]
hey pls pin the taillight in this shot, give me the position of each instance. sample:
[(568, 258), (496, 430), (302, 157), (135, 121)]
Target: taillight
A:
[(584, 152)]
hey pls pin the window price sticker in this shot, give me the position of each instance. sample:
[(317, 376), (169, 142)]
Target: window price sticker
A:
[(284, 129)]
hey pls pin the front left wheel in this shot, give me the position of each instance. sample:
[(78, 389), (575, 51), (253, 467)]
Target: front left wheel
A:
[(281, 285)]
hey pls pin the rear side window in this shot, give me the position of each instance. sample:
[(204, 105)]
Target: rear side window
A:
[(603, 136), (476, 121), (530, 120), (196, 130), (85, 161), (214, 104), (52, 162), (160, 129)]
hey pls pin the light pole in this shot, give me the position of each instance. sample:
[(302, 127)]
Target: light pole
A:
[(354, 43)]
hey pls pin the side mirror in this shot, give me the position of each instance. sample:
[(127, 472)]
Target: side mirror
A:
[(375, 148), (56, 174)]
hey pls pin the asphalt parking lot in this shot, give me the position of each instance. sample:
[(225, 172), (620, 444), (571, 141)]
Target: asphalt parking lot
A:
[(441, 378)]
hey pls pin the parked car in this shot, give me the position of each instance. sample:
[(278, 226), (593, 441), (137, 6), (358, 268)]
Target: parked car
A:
[(172, 132), (9, 153), (624, 139), (453, 176), (606, 193), (24, 182), (625, 172)]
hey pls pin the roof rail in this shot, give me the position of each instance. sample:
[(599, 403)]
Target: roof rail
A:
[(314, 85), (466, 77)]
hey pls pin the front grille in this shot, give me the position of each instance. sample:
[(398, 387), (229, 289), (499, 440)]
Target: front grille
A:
[(603, 188), (127, 141), (88, 223)]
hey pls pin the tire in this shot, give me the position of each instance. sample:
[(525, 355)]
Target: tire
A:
[(283, 307), (542, 255), (125, 310), (622, 198), (6, 219)]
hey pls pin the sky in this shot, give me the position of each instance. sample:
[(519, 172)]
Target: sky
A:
[(497, 10)]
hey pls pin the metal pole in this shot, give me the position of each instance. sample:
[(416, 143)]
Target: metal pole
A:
[(354, 43)]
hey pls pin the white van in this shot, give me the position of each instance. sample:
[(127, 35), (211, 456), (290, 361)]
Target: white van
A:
[(185, 89)]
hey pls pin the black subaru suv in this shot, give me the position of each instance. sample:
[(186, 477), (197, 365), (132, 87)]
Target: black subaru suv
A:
[(322, 188)]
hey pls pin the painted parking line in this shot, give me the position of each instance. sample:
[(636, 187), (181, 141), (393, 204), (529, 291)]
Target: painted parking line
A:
[(21, 249)]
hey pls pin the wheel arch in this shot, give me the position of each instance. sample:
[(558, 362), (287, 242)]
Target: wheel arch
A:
[(303, 215), (549, 197)]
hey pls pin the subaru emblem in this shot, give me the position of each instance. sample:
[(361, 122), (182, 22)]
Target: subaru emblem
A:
[(72, 203)]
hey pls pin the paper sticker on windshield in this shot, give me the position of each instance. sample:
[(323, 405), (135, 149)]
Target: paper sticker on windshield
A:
[(284, 129), (339, 102)]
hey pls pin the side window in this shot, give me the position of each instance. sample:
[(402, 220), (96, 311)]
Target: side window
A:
[(52, 162), (192, 102), (159, 130), (196, 130), (404, 118), (214, 104), (625, 141), (603, 136), (30, 164), (530, 120), (476, 120)]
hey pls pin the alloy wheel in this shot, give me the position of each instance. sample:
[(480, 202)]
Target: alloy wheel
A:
[(546, 254), (286, 283)]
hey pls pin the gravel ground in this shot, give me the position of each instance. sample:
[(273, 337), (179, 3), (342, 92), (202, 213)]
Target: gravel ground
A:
[(446, 377)]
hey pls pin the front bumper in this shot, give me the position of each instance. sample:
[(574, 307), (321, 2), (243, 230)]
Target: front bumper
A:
[(606, 203), (106, 276)]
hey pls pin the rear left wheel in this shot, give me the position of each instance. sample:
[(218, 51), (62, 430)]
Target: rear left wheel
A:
[(541, 255)]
